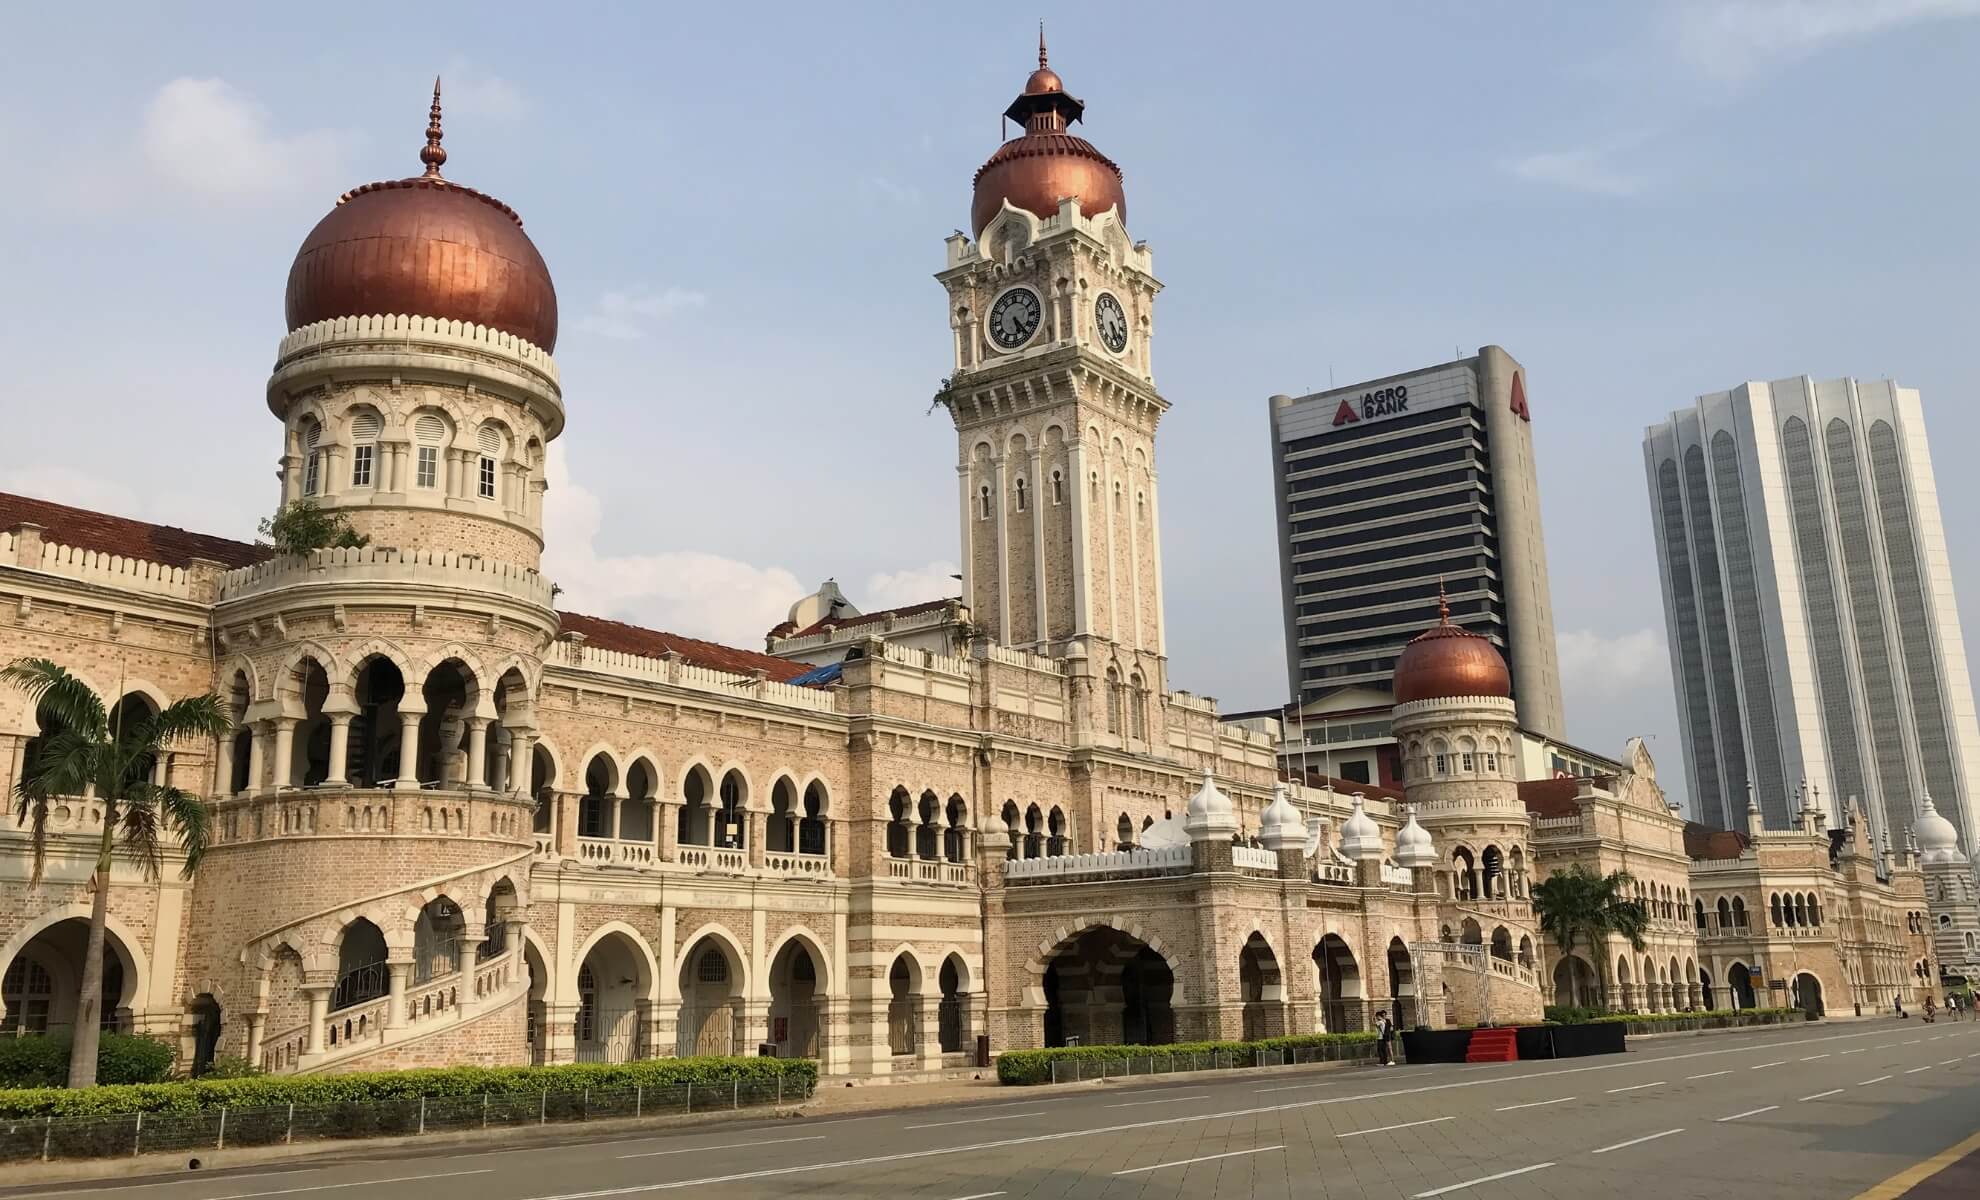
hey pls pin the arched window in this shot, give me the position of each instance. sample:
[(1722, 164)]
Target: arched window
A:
[(490, 440), (1017, 493), (983, 502), (365, 428), (1725, 914), (1141, 506), (429, 432), (1058, 487), (27, 990), (1124, 832), (1093, 486), (1137, 706), (310, 436), (1739, 912), (1113, 701), (1774, 909)]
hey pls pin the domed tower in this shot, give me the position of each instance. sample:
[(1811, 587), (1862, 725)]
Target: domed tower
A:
[(1949, 894), (1456, 726), (415, 386), (1053, 396), (375, 818)]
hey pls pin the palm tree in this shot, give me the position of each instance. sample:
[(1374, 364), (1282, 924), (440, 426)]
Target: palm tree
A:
[(1577, 904), (89, 750)]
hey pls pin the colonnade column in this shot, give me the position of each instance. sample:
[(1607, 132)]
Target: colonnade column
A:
[(256, 735), (318, 995), (340, 748), (409, 746), (285, 750), (477, 752), (396, 971)]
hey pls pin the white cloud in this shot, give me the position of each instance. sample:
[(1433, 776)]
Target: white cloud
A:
[(66, 485), (1734, 39), (1599, 665), (687, 592), (628, 315), (912, 585), (466, 90), (1583, 170), (207, 138)]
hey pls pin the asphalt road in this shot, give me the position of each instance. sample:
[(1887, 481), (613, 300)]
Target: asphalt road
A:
[(1807, 1112)]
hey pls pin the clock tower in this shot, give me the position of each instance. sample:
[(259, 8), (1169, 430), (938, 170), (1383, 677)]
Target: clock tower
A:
[(1054, 401)]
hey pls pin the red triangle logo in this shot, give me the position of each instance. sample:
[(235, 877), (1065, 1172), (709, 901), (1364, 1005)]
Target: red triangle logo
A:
[(1518, 398), (1345, 414)]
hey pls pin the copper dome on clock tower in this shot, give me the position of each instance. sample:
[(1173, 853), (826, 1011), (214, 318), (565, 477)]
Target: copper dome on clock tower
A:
[(424, 247), (1446, 662), (1045, 163)]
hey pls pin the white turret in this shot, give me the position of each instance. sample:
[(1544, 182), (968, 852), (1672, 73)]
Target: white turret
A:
[(1361, 837), (1414, 849), (1282, 827), (1938, 840), (1210, 815)]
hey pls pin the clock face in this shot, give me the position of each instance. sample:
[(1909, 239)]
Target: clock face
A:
[(1015, 317), (1111, 322)]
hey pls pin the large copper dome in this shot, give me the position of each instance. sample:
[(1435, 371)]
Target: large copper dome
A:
[(1036, 169), (1447, 661), (424, 247)]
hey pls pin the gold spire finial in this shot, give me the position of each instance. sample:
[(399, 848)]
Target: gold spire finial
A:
[(1443, 603), (431, 154), (1041, 41)]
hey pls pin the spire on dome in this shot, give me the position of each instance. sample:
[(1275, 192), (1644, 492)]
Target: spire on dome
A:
[(1041, 43), (431, 154), (1443, 603)]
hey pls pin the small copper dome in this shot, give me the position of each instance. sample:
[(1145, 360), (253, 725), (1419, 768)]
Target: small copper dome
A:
[(1035, 170), (424, 247), (1447, 661)]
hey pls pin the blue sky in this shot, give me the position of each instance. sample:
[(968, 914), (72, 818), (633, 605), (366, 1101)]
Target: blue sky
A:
[(743, 205)]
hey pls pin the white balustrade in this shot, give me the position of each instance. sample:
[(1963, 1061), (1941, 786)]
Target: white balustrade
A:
[(798, 864), (1253, 858), (1150, 862), (709, 858)]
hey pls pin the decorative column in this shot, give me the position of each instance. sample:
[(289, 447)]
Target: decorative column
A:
[(477, 752), (998, 497), (499, 778), (340, 749), (255, 757), (256, 1022), (757, 824), (1082, 570), (1041, 496), (409, 746), (285, 751), (667, 831), (318, 995)]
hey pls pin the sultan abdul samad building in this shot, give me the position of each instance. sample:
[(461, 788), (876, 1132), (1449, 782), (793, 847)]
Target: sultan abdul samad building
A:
[(456, 824)]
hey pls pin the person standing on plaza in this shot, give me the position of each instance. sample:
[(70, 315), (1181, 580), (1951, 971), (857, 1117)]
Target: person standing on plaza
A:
[(1385, 1032)]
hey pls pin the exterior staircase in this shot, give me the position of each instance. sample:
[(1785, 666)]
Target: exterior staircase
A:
[(1493, 1045), (447, 1002)]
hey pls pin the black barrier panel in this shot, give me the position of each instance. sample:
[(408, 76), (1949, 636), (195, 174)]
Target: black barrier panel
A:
[(1435, 1045), (1574, 1041)]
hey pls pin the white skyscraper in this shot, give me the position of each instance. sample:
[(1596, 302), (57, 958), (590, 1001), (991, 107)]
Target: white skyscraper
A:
[(1809, 599)]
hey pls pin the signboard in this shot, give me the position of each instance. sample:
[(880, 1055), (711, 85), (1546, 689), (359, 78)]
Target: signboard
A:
[(1353, 407)]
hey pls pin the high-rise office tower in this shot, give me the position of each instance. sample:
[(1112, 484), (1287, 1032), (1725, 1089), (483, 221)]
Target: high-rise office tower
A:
[(1813, 633), (1392, 490)]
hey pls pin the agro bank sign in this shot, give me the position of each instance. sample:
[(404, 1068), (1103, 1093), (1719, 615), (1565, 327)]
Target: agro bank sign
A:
[(1354, 407)]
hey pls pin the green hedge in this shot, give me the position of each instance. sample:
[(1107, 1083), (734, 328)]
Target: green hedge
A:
[(1562, 1015), (43, 1062), (800, 1076), (1024, 1067)]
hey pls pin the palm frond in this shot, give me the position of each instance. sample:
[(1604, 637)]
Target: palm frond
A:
[(195, 717), (58, 694), (64, 765), (32, 811), (137, 833), (191, 822)]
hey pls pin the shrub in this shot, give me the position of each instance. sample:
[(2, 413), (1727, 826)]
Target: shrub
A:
[(226, 1066), (800, 1075), (43, 1061), (1024, 1067)]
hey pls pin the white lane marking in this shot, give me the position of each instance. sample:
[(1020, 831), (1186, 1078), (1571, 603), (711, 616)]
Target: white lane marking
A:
[(1534, 1104), (819, 1137), (1813, 1057), (976, 1120), (1648, 1137), (325, 1187), (1878, 1079), (1973, 1056), (1165, 1100), (1404, 1125), (1914, 1041), (1638, 1087), (1858, 1050), (1708, 1075), (1947, 1062), (1819, 1095), (979, 1196), (1764, 1066), (1183, 1162), (1485, 1079), (1751, 1112), (1458, 1187), (1916, 1070)]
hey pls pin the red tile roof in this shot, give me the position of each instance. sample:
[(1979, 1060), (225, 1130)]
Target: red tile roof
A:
[(905, 610), (1705, 841), (106, 534), (652, 643), (1555, 797)]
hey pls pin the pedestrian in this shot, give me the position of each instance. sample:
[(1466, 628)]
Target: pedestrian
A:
[(1385, 1033)]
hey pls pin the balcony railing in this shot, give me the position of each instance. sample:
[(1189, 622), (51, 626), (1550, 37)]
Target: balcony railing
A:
[(709, 858)]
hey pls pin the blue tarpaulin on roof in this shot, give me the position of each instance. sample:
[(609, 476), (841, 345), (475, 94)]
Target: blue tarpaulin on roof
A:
[(820, 676)]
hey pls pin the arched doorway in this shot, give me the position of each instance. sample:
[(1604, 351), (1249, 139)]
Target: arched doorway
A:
[(1740, 980), (42, 986), (1502, 944), (904, 1005), (1706, 997), (711, 999), (1574, 984), (1261, 988), (953, 1014), (536, 1025), (361, 973), (1625, 995), (613, 982), (205, 1032), (438, 933), (1402, 986), (794, 989), (1104, 987), (1807, 995), (1340, 985)]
